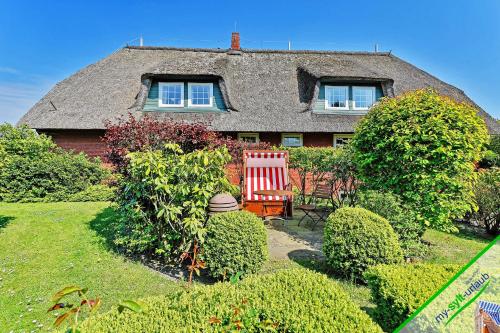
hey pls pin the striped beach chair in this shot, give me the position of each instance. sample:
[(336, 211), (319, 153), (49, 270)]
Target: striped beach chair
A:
[(266, 170), (487, 317)]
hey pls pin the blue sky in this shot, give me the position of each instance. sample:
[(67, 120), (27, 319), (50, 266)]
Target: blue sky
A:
[(43, 42)]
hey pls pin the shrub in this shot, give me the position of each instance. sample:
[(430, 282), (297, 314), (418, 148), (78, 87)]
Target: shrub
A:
[(311, 164), (356, 238), (399, 290), (164, 197), (131, 135), (487, 194), (94, 193), (422, 146), (296, 300), (400, 217), (491, 157), (236, 242), (34, 169)]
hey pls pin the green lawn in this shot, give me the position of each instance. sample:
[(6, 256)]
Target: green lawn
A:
[(44, 247), (457, 248)]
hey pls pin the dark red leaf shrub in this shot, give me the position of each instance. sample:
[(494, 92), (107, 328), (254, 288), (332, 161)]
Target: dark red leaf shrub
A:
[(131, 134)]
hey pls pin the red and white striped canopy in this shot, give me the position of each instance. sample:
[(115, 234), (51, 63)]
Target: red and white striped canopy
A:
[(265, 171)]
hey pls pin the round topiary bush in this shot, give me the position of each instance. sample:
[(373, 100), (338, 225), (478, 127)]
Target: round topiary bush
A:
[(235, 242), (290, 300), (356, 238), (422, 147)]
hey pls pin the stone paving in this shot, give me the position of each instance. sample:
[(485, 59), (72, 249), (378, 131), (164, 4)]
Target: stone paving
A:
[(289, 241)]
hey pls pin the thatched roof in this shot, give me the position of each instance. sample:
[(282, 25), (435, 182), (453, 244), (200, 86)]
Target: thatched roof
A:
[(264, 90)]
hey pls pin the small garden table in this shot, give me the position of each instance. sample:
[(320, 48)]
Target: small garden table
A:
[(280, 193)]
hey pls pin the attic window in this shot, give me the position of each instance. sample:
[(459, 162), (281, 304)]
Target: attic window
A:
[(337, 97), (171, 94), (200, 94), (363, 97)]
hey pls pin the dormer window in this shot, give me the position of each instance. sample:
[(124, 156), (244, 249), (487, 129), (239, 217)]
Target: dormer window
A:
[(363, 97), (337, 97), (200, 94), (171, 94)]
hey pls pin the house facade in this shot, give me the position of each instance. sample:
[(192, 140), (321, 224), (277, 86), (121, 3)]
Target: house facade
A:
[(293, 98)]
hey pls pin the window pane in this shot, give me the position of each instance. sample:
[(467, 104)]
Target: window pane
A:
[(339, 142), (337, 97), (200, 94), (250, 139), (172, 94), (363, 97), (292, 141)]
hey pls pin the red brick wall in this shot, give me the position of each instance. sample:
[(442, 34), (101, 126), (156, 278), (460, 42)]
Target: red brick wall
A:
[(309, 139), (88, 141)]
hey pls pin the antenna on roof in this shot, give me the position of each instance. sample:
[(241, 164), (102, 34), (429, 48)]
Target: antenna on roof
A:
[(376, 47), (141, 41)]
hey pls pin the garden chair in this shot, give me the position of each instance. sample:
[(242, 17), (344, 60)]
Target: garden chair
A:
[(266, 171), (314, 212)]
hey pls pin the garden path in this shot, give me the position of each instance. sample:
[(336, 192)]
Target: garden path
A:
[(290, 241)]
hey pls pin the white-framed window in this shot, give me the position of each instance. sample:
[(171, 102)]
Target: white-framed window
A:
[(200, 94), (249, 137), (291, 139), (337, 97), (171, 94), (340, 140), (363, 97)]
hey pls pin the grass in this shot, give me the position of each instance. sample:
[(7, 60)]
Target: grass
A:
[(458, 248), (44, 247)]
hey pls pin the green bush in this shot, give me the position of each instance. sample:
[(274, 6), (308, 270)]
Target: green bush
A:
[(356, 238), (422, 146), (487, 194), (311, 164), (94, 193), (34, 169), (296, 300), (491, 157), (400, 217), (235, 242), (399, 290), (164, 196)]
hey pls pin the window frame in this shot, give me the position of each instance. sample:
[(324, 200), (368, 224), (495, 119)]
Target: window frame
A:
[(327, 104), (161, 86), (373, 90), (250, 135), (298, 135), (339, 135), (210, 91)]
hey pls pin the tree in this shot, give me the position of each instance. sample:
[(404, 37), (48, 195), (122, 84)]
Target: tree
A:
[(422, 146)]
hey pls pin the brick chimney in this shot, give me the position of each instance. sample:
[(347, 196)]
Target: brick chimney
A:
[(235, 41)]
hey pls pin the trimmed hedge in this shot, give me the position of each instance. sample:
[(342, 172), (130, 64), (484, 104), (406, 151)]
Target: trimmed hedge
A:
[(295, 300), (399, 290), (235, 242), (356, 238)]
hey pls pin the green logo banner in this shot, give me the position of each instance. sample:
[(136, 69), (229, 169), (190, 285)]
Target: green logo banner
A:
[(469, 302)]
